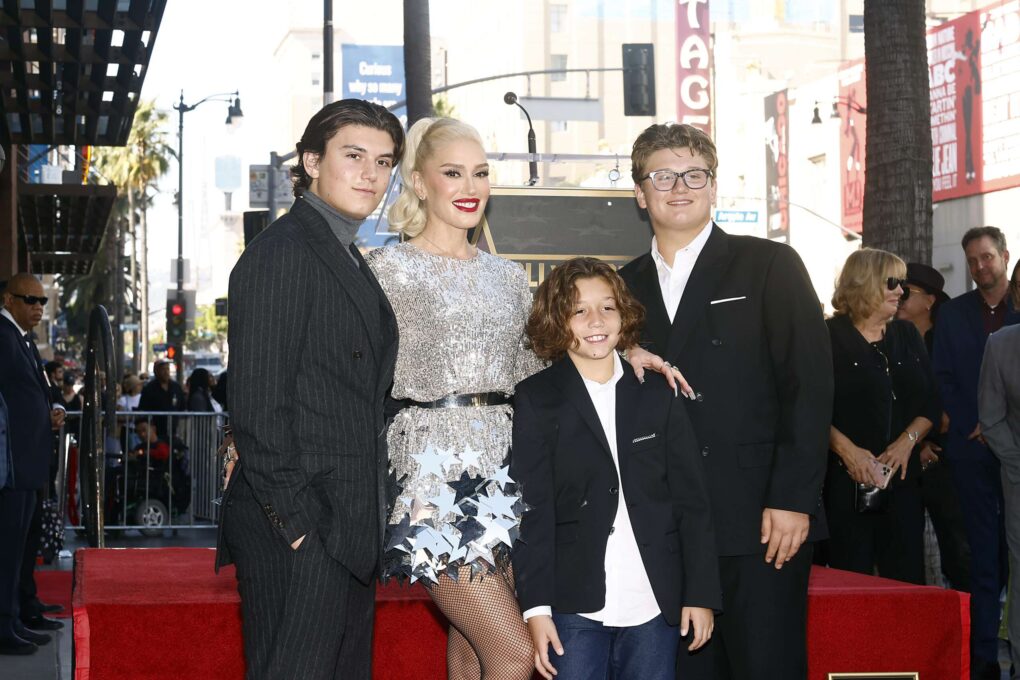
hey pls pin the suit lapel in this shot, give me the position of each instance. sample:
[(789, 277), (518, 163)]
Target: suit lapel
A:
[(708, 272), (647, 289), (627, 407), (569, 381), (32, 354), (323, 243)]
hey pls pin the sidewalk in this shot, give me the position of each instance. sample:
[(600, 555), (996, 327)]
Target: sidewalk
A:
[(53, 661)]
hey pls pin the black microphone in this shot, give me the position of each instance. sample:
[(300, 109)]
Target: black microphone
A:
[(510, 98)]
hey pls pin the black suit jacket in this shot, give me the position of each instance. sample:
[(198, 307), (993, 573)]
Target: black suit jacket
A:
[(313, 342), (561, 459), (749, 337), (27, 394)]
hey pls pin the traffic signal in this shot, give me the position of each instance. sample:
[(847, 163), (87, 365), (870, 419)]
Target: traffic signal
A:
[(176, 321), (171, 352), (638, 79)]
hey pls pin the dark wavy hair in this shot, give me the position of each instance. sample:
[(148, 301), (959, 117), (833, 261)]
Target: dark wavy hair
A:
[(328, 121), (548, 326)]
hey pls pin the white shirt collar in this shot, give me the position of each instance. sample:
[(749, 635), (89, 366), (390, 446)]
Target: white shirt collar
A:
[(693, 248), (7, 314), (595, 387)]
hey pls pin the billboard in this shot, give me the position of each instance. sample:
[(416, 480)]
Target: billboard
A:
[(693, 79), (974, 89), (374, 73), (851, 106), (974, 72), (777, 167)]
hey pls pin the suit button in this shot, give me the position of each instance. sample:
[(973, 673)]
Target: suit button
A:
[(613, 491), (612, 530), (716, 342), (356, 354), (704, 451), (699, 396)]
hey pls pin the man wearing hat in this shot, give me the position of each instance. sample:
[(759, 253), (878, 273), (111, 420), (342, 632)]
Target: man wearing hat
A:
[(920, 305)]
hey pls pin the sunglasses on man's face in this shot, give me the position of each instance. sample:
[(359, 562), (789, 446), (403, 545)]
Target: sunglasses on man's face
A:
[(31, 299), (892, 282)]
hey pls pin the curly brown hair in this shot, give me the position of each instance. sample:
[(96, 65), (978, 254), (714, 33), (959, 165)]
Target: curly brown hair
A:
[(548, 326)]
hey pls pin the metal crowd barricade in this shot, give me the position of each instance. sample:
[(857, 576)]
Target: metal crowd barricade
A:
[(161, 471)]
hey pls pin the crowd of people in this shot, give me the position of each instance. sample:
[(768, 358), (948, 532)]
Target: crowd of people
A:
[(628, 474)]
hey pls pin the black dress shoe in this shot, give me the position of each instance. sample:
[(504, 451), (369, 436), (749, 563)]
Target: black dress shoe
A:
[(17, 646), (984, 670), (33, 637), (41, 623), (51, 608)]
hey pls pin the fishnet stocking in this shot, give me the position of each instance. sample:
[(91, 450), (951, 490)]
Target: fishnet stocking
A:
[(488, 638)]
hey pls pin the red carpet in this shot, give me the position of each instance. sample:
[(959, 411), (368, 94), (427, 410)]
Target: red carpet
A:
[(54, 588), (162, 613)]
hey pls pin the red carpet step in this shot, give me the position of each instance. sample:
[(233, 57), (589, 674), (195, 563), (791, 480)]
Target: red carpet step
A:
[(163, 613)]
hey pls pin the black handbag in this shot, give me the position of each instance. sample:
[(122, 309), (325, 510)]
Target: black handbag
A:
[(870, 499)]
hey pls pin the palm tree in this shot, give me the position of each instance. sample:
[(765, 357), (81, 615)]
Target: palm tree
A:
[(136, 168), (898, 178)]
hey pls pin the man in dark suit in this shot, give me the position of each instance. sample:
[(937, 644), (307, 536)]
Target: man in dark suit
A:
[(961, 330), (739, 318), (313, 343), (31, 421)]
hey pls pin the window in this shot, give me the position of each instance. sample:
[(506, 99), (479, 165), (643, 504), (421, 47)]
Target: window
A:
[(557, 62), (557, 18)]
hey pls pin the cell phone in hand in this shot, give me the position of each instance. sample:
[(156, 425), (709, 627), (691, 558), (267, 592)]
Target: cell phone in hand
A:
[(881, 472)]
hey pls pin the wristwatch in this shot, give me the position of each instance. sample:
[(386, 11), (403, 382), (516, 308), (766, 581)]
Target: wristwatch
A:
[(913, 436)]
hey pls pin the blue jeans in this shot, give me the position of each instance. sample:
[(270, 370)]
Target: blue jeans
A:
[(592, 651)]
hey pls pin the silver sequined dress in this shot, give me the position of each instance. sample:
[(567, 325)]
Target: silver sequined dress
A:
[(461, 331)]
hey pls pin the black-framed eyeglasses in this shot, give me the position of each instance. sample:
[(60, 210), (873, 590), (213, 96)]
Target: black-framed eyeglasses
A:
[(31, 299), (665, 180)]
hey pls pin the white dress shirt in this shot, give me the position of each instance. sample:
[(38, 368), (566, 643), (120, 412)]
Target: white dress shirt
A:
[(673, 276), (630, 600)]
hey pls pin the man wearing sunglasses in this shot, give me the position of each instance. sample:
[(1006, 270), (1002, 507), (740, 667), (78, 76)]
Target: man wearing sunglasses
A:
[(739, 318), (30, 423)]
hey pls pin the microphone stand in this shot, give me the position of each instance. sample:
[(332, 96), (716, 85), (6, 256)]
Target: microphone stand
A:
[(510, 99)]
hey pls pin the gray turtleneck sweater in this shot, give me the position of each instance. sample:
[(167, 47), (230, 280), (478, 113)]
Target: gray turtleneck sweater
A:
[(343, 227)]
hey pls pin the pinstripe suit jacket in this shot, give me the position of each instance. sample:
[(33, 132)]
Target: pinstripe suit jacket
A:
[(999, 398), (312, 348)]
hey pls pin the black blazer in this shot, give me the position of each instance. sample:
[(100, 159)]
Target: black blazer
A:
[(864, 408), (27, 394), (313, 342), (749, 337), (562, 461)]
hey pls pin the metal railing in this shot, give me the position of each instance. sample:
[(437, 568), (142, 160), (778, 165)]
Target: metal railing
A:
[(160, 471)]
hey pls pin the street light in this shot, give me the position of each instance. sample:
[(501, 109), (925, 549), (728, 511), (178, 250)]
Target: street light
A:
[(234, 119)]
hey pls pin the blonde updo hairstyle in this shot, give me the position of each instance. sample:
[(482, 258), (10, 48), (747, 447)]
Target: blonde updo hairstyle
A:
[(407, 215), (861, 286)]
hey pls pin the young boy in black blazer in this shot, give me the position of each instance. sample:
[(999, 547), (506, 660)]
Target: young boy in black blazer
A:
[(616, 559)]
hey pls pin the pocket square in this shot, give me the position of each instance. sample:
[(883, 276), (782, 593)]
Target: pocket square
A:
[(643, 438), (732, 299)]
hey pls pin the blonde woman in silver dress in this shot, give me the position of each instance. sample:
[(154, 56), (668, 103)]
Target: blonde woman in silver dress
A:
[(461, 314)]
